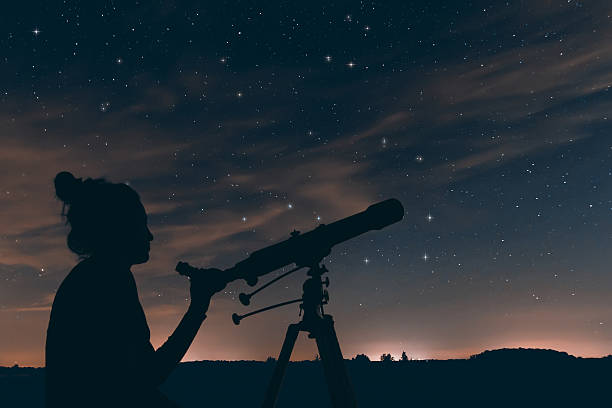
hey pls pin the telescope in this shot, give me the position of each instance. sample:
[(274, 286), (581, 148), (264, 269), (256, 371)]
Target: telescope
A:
[(307, 251), (309, 248)]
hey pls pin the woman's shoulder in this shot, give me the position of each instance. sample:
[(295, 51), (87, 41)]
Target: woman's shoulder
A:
[(85, 279), (73, 283), (80, 273), (90, 289)]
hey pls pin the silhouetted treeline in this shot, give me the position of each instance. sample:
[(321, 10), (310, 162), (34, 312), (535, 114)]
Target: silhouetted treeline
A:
[(508, 377)]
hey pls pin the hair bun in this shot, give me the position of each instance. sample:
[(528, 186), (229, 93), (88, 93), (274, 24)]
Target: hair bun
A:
[(66, 186)]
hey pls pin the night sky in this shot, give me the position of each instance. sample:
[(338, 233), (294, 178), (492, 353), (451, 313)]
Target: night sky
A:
[(238, 122)]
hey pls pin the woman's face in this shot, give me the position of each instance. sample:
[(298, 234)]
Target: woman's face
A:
[(134, 240)]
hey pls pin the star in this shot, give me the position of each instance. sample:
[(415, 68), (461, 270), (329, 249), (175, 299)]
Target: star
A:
[(366, 261), (244, 219), (289, 206), (425, 257), (104, 106), (239, 94), (419, 158), (429, 217), (36, 31), (119, 60), (328, 58), (350, 64), (318, 218)]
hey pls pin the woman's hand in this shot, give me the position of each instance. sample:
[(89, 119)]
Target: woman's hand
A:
[(204, 284)]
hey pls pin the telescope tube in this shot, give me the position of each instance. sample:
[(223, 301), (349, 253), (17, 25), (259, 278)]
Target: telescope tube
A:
[(309, 248)]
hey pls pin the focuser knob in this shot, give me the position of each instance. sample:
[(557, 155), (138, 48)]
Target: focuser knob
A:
[(245, 299), (236, 318)]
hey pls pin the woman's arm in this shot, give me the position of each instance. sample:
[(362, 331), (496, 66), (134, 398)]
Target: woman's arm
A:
[(203, 286), (173, 350)]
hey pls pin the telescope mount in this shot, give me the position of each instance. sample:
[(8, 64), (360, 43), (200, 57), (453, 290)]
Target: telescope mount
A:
[(319, 326)]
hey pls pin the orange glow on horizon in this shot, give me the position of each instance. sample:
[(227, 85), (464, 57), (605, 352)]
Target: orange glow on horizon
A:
[(374, 351)]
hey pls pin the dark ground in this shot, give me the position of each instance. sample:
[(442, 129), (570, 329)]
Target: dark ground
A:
[(518, 377)]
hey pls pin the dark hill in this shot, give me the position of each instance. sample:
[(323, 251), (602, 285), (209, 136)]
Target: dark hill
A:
[(523, 354), (507, 377)]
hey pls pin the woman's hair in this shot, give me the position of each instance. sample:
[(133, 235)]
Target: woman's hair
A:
[(98, 211)]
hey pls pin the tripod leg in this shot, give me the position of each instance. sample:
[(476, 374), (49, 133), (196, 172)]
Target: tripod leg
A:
[(281, 365), (338, 382)]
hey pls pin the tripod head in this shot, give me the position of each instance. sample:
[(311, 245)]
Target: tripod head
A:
[(313, 296)]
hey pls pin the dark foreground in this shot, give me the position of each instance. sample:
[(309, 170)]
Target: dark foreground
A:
[(518, 378)]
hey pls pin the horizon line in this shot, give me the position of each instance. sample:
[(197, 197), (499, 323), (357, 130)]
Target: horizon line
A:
[(16, 365)]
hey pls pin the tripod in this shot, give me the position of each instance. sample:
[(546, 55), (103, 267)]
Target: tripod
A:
[(320, 327)]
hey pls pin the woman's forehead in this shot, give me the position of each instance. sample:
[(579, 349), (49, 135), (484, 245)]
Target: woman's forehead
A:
[(134, 211)]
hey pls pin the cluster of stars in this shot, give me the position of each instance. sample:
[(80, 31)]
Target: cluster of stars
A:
[(104, 106)]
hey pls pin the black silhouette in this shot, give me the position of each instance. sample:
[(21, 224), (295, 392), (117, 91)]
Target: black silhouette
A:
[(320, 327), (386, 358), (361, 358), (500, 378), (98, 352), (307, 249)]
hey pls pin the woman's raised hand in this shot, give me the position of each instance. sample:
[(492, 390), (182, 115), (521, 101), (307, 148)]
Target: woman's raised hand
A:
[(204, 284)]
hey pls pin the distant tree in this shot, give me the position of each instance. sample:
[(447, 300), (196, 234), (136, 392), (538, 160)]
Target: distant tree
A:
[(317, 358), (386, 357), (404, 356), (362, 358), (270, 360)]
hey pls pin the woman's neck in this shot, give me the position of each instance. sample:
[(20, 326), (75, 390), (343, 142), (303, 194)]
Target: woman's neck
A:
[(111, 260)]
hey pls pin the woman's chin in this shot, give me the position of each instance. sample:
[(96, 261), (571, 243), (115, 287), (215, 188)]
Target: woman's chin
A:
[(142, 258)]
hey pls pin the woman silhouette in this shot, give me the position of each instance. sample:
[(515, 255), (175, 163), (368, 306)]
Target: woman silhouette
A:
[(98, 351)]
